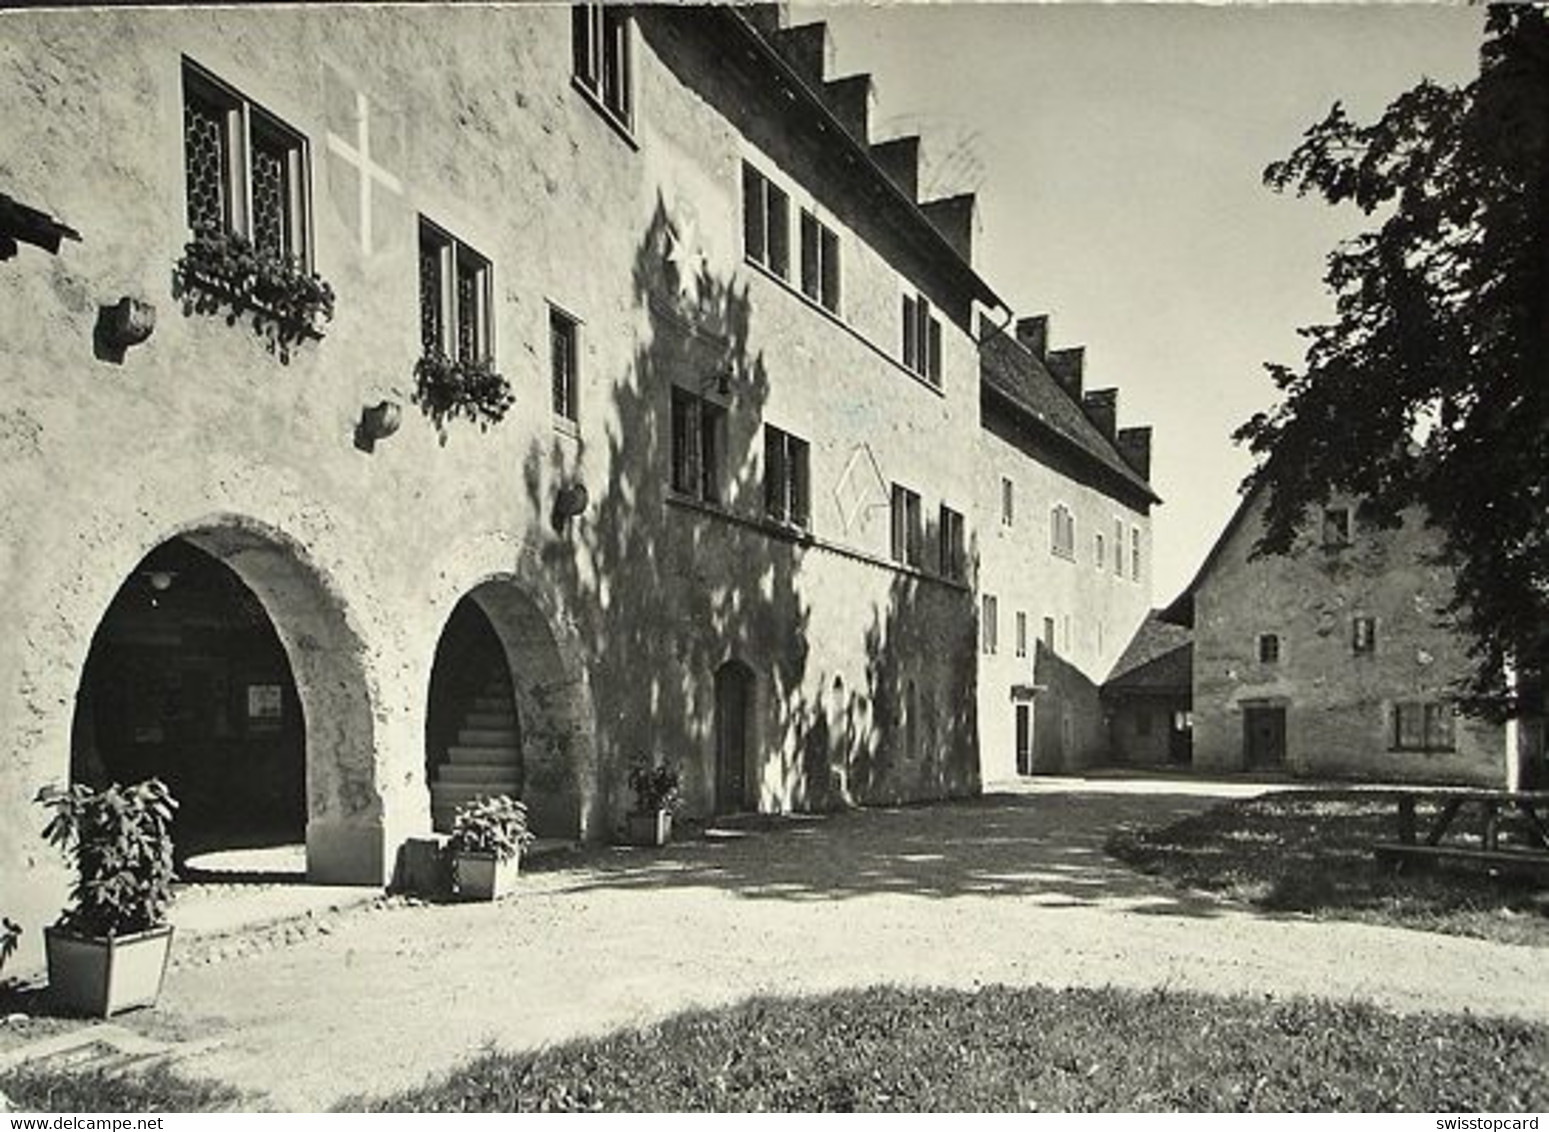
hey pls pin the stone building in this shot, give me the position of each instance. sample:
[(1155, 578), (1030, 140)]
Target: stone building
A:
[(1064, 538), (1336, 660), (408, 403), (1148, 697)]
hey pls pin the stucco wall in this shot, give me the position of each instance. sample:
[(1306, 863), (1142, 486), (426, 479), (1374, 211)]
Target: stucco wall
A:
[(1095, 609), (1339, 704), (360, 557)]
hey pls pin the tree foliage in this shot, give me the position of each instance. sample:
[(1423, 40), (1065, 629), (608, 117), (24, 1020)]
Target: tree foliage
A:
[(1429, 388)]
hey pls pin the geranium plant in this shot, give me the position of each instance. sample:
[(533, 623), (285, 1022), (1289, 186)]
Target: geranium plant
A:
[(119, 840), (496, 826), (287, 302), (446, 388), (656, 786)]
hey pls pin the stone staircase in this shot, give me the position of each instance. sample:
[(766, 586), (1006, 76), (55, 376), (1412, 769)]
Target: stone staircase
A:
[(486, 759)]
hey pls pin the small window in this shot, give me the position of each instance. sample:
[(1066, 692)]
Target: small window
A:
[(1363, 635), (922, 339), (698, 450), (1134, 554), (245, 170), (1336, 526), (952, 547), (1424, 725), (1269, 648), (1008, 502), (1099, 555), (787, 491), (1048, 633), (991, 627), (766, 222), (907, 537), (454, 298), (1118, 547), (564, 340), (1062, 531), (819, 262), (600, 41), (1021, 633)]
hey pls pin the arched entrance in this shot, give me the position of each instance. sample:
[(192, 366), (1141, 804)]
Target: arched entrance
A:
[(733, 743), (225, 664), (473, 740), (506, 714), (187, 681)]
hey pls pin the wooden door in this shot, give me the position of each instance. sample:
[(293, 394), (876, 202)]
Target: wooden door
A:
[(732, 689), (1024, 738), (1263, 736)]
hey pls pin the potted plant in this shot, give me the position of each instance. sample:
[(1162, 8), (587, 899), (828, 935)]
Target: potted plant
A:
[(488, 837), (446, 388), (10, 938), (656, 793), (108, 951)]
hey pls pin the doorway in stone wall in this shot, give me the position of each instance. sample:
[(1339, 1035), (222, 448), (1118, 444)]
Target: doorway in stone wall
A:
[(1024, 738), (473, 741), (733, 716), (1263, 737)]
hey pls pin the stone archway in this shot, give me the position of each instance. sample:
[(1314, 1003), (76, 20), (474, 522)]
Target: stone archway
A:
[(343, 812), (553, 764)]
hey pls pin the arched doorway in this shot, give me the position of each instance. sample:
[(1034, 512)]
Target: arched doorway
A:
[(187, 681), (506, 713), (733, 743), (225, 666), (473, 742)]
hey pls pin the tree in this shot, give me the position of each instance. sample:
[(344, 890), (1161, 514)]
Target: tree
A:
[(1430, 389)]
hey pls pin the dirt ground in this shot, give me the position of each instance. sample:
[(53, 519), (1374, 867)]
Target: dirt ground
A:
[(1010, 888)]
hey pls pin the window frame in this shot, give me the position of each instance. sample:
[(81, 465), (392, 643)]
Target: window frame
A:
[(1338, 527), (1021, 632), (760, 196), (1437, 727), (594, 29), (787, 478), (821, 262), (1134, 554), (951, 547), (1268, 648), (921, 352), (1008, 501), (1363, 635), (697, 451), (989, 619), (907, 535), (566, 401), (452, 254), (1062, 532), (242, 121)]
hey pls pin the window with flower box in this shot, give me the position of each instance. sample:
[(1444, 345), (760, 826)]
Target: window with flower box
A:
[(455, 292)]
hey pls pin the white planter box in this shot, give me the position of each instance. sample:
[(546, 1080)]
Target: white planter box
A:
[(101, 977), (481, 876)]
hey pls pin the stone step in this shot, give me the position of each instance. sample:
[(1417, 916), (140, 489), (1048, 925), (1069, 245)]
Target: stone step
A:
[(486, 737), (487, 720), (500, 702), (490, 755), (501, 777), (445, 795)]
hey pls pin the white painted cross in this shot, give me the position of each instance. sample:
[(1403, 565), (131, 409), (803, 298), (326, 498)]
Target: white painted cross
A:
[(359, 156)]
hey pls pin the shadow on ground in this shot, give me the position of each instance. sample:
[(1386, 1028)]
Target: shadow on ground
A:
[(1041, 846)]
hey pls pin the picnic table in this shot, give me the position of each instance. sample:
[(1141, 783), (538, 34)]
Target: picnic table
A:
[(1529, 856)]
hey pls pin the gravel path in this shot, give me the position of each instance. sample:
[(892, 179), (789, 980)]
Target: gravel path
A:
[(1005, 889)]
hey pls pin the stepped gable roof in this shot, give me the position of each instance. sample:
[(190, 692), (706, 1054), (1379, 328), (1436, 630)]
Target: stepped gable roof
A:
[(1160, 658), (1021, 379)]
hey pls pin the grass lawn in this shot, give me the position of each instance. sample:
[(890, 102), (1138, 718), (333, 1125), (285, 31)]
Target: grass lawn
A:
[(158, 1090), (1310, 851), (1017, 1049)]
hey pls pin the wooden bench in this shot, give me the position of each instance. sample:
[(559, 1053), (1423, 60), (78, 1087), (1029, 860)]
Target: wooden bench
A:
[(1530, 860)]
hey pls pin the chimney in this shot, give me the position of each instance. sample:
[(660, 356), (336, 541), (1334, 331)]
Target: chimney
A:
[(806, 48), (850, 100), (1102, 409), (1033, 334), (1066, 367), (1135, 447), (900, 160), (953, 217)]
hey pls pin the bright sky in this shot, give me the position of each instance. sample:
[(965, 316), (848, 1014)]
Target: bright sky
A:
[(1117, 153)]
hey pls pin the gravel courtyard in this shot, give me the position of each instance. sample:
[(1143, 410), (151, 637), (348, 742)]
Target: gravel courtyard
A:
[(1011, 888)]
